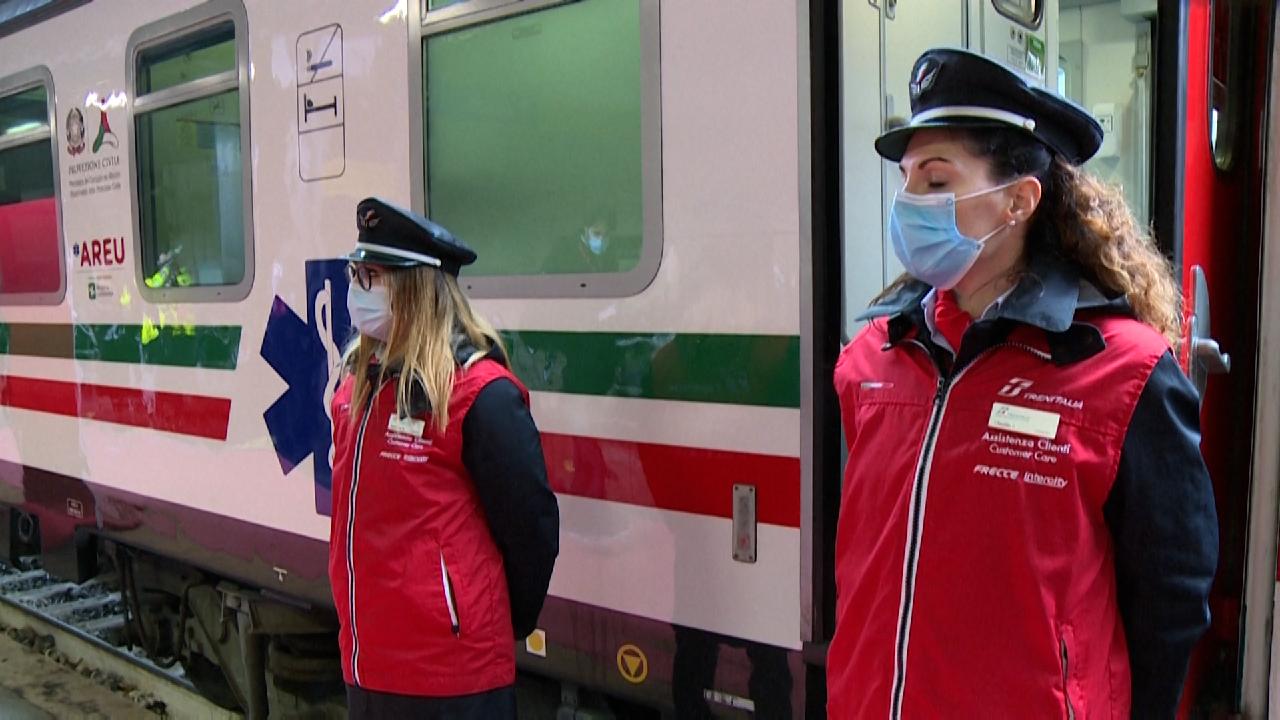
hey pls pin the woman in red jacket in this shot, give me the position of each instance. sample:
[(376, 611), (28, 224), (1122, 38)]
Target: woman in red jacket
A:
[(1027, 527), (444, 530)]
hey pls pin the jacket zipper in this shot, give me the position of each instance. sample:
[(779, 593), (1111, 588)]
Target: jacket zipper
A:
[(449, 601), (1066, 678), (351, 527), (915, 524), (915, 517), (1047, 357)]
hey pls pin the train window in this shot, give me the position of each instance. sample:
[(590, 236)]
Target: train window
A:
[(199, 56), (191, 188), (1225, 78), (32, 271), (18, 14), (541, 145), (1027, 13)]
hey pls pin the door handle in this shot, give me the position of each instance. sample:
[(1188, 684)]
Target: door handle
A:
[(1206, 357), (1206, 352)]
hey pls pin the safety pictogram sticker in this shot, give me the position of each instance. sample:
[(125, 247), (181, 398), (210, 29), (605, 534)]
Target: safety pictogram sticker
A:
[(632, 663), (322, 134)]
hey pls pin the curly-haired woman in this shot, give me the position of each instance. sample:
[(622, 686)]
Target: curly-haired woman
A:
[(1027, 527)]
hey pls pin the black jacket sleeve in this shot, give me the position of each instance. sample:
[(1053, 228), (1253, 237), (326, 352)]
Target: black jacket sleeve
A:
[(502, 451), (1165, 528)]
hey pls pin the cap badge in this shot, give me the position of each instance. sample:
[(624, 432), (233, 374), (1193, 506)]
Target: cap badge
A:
[(926, 73), (368, 220)]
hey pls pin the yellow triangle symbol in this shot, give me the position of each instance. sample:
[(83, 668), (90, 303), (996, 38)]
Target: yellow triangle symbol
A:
[(633, 664)]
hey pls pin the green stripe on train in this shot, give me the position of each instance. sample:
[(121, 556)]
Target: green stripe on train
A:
[(203, 346), (734, 369), (759, 370), (206, 346)]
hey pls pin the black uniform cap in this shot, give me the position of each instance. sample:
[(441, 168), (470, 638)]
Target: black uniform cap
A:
[(395, 237), (957, 88)]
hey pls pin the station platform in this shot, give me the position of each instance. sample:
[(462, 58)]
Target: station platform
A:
[(13, 707), (35, 687)]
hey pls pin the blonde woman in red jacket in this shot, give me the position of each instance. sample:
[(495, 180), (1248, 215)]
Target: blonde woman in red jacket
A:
[(1027, 528), (444, 530)]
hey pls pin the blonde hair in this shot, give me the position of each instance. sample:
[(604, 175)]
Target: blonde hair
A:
[(428, 312)]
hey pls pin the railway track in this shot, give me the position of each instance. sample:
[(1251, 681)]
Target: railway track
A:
[(82, 625)]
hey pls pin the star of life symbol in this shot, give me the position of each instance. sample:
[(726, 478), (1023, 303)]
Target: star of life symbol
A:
[(1014, 387), (307, 355)]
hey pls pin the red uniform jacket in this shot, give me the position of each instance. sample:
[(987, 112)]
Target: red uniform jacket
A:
[(418, 580), (976, 549)]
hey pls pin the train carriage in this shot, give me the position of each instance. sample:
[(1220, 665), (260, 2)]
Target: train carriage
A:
[(677, 210)]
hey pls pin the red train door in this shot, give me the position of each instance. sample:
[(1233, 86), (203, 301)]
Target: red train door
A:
[(1208, 197)]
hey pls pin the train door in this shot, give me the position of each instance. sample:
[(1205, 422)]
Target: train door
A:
[(1209, 200), (1231, 162)]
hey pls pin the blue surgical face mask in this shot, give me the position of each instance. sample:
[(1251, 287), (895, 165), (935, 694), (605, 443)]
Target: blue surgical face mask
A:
[(370, 310), (927, 241)]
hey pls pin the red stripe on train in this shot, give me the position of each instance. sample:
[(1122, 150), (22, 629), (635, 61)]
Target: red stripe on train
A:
[(692, 480), (193, 415)]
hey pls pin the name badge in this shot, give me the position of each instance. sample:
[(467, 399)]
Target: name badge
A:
[(406, 426), (1024, 420)]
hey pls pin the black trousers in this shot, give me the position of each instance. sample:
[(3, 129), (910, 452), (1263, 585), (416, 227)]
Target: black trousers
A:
[(499, 704)]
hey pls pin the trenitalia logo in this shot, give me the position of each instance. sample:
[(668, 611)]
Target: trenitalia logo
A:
[(1020, 387), (1014, 387)]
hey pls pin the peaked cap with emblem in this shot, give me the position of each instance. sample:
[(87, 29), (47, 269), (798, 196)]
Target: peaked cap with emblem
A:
[(957, 88), (395, 237)]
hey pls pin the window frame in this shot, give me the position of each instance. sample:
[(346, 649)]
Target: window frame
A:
[(1223, 144), (162, 32), (423, 24), (12, 85)]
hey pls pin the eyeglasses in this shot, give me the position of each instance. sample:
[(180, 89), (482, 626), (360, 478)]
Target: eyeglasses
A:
[(363, 274)]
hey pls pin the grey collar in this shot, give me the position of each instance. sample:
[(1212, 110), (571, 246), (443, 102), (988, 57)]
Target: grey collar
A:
[(1048, 296)]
